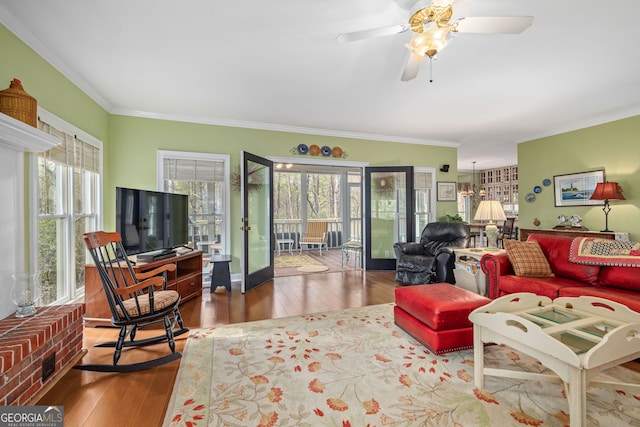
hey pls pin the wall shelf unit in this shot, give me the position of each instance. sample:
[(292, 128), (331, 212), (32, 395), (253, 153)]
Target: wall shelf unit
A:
[(501, 184), (21, 137)]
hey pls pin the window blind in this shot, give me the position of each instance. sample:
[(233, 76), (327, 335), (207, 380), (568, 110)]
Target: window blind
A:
[(193, 170), (421, 180), (72, 151)]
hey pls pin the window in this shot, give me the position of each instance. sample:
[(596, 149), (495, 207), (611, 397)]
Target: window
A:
[(422, 188), (68, 191), (205, 179), (304, 192)]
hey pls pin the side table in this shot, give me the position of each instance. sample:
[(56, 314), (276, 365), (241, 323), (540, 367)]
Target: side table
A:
[(220, 274), (354, 247), (281, 242), (474, 281)]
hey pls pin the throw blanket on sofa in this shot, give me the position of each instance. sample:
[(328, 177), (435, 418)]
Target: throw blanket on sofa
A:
[(605, 252)]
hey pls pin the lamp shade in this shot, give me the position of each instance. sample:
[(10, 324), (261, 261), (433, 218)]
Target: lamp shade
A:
[(490, 210), (607, 191)]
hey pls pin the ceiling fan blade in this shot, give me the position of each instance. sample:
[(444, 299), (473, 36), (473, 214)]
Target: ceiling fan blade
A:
[(412, 68), (372, 33), (494, 24)]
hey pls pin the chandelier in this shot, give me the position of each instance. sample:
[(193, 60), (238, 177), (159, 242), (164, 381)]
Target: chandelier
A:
[(473, 190)]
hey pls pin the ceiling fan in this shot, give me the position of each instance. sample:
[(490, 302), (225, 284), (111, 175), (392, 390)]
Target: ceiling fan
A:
[(432, 30)]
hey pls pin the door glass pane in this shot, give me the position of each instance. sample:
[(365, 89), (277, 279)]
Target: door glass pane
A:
[(355, 207), (260, 233), (388, 212)]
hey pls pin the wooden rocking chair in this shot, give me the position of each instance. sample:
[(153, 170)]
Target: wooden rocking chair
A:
[(135, 300)]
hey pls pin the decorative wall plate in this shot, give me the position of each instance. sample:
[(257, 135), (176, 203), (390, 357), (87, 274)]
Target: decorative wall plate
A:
[(537, 189), (337, 152), (314, 150), (326, 151), (546, 182), (530, 197), (303, 149)]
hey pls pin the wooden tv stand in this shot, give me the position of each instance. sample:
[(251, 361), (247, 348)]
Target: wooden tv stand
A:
[(186, 279)]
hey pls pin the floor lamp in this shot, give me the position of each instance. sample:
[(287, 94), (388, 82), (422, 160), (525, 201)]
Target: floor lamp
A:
[(490, 210), (607, 191)]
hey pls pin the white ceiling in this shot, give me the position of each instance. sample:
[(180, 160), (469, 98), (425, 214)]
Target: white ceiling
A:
[(275, 64)]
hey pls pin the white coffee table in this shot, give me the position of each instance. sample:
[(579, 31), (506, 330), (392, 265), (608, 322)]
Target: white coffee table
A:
[(574, 337)]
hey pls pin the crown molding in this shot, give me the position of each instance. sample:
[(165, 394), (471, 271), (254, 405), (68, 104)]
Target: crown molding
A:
[(281, 128), (600, 119)]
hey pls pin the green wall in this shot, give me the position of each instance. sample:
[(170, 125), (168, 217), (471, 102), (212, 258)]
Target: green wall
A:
[(612, 146), (134, 143), (54, 92)]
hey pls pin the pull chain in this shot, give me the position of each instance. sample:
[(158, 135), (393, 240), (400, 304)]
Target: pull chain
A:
[(430, 70)]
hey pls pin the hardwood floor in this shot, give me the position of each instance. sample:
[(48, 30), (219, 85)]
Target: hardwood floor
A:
[(141, 398)]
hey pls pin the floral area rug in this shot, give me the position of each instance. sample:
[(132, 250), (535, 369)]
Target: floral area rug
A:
[(354, 367)]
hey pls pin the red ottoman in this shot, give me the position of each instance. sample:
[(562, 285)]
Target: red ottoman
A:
[(437, 315)]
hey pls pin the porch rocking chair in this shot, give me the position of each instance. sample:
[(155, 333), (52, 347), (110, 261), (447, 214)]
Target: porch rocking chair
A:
[(135, 302)]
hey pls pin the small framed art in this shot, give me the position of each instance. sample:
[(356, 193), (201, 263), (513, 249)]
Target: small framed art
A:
[(447, 191)]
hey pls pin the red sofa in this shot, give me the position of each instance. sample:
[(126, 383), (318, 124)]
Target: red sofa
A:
[(619, 284)]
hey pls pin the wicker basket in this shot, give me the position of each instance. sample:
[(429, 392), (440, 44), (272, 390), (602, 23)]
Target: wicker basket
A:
[(17, 103)]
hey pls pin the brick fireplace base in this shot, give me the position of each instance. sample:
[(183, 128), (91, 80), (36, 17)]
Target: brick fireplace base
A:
[(50, 339)]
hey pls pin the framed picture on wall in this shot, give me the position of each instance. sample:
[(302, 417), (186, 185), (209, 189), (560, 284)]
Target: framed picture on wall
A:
[(575, 189), (447, 191)]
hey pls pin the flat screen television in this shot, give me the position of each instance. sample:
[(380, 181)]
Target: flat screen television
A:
[(151, 221)]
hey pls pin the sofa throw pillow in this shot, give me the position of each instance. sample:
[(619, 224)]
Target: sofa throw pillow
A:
[(527, 258)]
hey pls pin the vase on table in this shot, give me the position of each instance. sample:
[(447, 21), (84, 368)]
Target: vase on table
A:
[(25, 292)]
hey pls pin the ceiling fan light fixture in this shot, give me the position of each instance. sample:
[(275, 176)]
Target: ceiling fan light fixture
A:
[(433, 29), (429, 42)]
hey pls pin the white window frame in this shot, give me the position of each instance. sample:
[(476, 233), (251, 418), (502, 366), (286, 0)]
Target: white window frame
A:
[(186, 155), (62, 125), (432, 199)]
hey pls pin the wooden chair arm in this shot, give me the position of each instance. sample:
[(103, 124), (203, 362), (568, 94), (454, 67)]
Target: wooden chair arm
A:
[(151, 282), (156, 271)]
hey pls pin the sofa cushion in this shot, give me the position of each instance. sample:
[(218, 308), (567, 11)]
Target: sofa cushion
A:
[(527, 259), (545, 286), (620, 277), (622, 296), (556, 249)]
